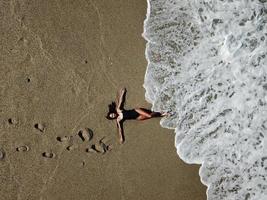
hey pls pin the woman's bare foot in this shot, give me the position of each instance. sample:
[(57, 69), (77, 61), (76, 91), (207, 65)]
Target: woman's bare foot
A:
[(165, 114)]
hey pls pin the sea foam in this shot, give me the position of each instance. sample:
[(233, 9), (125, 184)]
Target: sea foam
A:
[(207, 64)]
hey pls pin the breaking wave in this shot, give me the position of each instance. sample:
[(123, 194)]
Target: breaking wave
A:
[(207, 64)]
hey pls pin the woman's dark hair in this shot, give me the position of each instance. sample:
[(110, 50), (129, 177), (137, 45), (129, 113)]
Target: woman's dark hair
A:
[(111, 109)]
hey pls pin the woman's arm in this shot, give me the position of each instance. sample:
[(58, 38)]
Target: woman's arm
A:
[(120, 130), (120, 99)]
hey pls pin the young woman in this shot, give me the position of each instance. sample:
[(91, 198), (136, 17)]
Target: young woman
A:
[(117, 111)]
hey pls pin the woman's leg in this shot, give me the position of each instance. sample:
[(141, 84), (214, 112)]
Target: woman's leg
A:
[(144, 113), (147, 114), (153, 114), (156, 114)]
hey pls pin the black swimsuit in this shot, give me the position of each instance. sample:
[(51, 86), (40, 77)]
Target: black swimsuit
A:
[(130, 114)]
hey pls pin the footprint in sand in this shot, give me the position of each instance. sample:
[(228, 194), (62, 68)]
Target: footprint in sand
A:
[(2, 154), (23, 148), (86, 134), (71, 147), (104, 147), (22, 41), (39, 127), (12, 121), (100, 147), (63, 139), (48, 155), (83, 163), (92, 149)]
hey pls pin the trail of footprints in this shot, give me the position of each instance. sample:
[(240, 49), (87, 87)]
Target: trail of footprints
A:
[(84, 135)]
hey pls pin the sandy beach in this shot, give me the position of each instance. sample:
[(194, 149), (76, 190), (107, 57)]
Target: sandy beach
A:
[(62, 63)]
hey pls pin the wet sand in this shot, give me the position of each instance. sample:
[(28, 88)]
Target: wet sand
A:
[(61, 65)]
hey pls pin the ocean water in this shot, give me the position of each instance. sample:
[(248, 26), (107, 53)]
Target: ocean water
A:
[(207, 65)]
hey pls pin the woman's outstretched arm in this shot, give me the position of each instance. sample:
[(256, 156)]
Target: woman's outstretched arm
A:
[(120, 99), (120, 130)]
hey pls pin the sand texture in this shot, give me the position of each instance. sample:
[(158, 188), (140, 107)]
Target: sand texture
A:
[(61, 64)]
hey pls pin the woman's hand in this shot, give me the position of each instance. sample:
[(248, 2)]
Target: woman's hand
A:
[(120, 99)]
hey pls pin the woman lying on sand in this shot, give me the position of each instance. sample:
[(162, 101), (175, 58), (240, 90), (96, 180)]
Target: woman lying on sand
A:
[(117, 111)]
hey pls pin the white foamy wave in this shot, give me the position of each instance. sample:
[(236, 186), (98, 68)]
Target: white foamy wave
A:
[(207, 63)]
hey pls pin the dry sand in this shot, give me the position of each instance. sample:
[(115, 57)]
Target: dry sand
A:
[(61, 64)]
